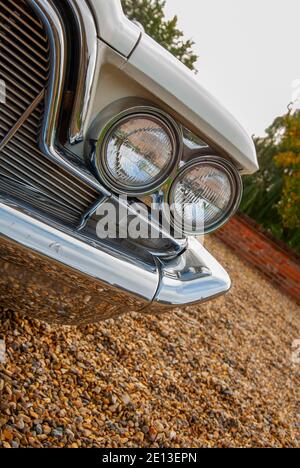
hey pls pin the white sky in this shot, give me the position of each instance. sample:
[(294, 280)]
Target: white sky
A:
[(249, 53)]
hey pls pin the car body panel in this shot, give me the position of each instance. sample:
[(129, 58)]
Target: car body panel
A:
[(120, 33), (64, 274), (172, 82)]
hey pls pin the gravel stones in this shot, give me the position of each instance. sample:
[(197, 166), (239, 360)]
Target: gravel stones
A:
[(216, 375)]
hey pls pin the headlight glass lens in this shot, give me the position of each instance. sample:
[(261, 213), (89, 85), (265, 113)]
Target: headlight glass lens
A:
[(139, 151), (204, 196)]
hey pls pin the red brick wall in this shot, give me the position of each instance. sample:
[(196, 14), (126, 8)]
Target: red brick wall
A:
[(272, 258)]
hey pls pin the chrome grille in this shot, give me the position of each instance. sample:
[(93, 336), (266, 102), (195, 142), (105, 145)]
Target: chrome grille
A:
[(25, 172)]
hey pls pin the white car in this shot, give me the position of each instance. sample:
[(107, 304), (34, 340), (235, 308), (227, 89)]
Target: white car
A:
[(96, 116)]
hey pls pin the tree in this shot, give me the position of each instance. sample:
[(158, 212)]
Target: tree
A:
[(272, 196), (289, 160), (150, 14)]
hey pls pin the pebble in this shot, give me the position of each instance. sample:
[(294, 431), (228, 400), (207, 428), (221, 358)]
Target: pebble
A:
[(38, 429), (57, 433), (215, 375)]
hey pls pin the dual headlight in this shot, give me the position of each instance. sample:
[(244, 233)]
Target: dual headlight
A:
[(140, 151), (205, 194)]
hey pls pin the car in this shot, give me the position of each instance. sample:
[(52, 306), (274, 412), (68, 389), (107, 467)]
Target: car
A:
[(115, 163)]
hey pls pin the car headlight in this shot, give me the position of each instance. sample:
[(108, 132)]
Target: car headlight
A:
[(204, 195), (138, 153)]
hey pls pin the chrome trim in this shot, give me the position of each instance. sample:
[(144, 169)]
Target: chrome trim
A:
[(86, 216), (57, 274), (105, 266), (58, 47), (48, 144), (27, 175), (182, 284), (22, 120), (166, 247), (55, 30), (236, 183), (98, 157), (88, 50), (58, 277)]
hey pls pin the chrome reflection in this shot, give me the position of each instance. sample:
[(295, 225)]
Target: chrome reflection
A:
[(52, 273), (124, 112), (56, 277), (192, 278), (58, 45), (87, 68)]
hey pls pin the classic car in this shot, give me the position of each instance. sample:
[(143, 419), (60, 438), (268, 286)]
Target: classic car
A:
[(93, 114)]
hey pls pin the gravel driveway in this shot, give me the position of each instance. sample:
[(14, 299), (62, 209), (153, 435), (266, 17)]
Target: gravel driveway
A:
[(219, 375)]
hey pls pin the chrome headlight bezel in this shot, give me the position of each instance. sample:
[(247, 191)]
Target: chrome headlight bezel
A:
[(158, 116), (236, 191)]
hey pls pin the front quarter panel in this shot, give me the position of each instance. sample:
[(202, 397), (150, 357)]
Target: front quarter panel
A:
[(113, 26)]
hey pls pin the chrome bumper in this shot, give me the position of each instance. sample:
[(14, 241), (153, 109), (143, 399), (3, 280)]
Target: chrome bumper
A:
[(59, 277)]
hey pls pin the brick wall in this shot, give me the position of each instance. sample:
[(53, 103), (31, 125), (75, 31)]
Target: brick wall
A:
[(276, 261)]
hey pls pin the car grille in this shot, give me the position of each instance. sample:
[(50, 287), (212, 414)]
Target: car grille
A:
[(26, 174)]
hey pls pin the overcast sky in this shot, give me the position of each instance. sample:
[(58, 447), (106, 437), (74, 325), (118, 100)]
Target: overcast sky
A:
[(249, 53)]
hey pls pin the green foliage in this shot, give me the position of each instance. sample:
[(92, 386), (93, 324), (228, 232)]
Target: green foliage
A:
[(150, 13), (272, 196)]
